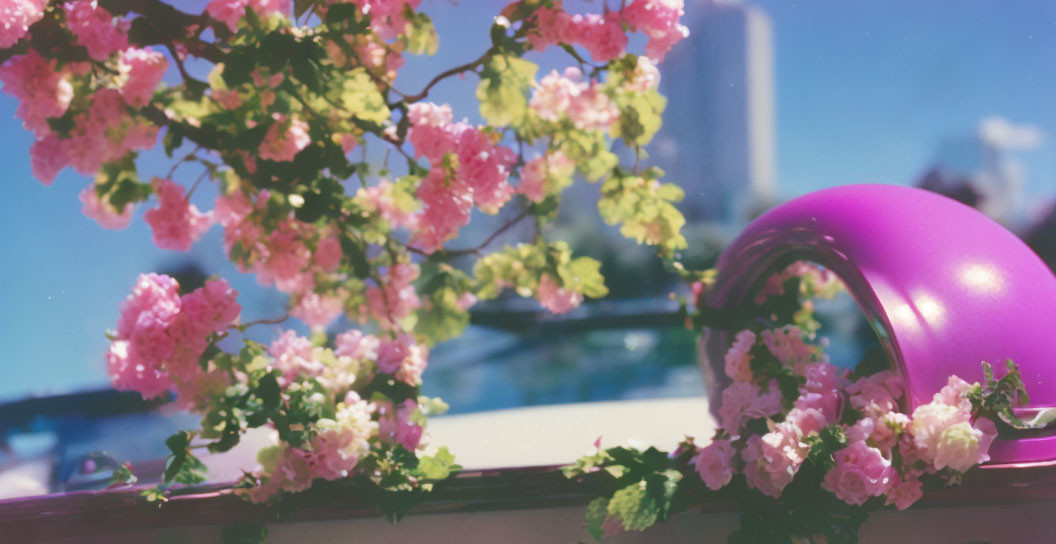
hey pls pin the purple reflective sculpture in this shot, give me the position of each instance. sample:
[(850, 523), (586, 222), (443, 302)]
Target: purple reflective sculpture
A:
[(943, 286)]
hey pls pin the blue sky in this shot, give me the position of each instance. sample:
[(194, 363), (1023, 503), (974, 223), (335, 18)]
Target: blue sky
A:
[(865, 93)]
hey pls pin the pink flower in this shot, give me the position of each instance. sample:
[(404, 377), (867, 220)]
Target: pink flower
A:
[(285, 260), (713, 464), (228, 12), (788, 344), (395, 299), (808, 420), (962, 446), (742, 401), (284, 140), (340, 443), (432, 134), (954, 394), (600, 35), (552, 26), (860, 472), (396, 427), (106, 132), (293, 356), (47, 157), (96, 28), (327, 255), (176, 223), (546, 175), (16, 16), (555, 298), (145, 69), (658, 19), (102, 212), (318, 311), (904, 493), (379, 199), (781, 452), (404, 358), (554, 93), (353, 343), (593, 110), (739, 359), (755, 469), (446, 207), (485, 167), (646, 76), (136, 358), (43, 91), (878, 393)]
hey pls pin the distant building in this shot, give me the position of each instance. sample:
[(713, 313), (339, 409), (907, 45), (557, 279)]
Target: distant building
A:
[(718, 136), (980, 166)]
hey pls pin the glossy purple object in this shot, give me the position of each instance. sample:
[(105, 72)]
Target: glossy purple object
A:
[(944, 287)]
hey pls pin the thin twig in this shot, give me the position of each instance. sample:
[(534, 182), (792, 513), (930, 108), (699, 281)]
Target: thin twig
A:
[(272, 321), (487, 241), (446, 74)]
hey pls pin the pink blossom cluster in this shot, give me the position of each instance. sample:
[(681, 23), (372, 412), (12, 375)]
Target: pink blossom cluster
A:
[(395, 424), (448, 195), (16, 16), (586, 105), (544, 176), (371, 54), (404, 358), (333, 453), (603, 36), (43, 91), (822, 281), (387, 17), (176, 223), (379, 200), (96, 29), (318, 311), (555, 298), (658, 19), (393, 300), (886, 451), (160, 336), (230, 12), (103, 212), (286, 137), (284, 257), (143, 69)]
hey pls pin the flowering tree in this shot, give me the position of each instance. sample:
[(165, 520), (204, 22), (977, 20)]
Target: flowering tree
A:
[(296, 90)]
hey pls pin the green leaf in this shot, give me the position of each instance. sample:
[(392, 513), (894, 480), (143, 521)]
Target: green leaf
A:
[(438, 466), (421, 34), (597, 512), (635, 508), (359, 95), (504, 82), (583, 275)]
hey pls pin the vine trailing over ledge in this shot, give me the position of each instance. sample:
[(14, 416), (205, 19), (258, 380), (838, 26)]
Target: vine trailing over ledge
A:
[(805, 448), (274, 101)]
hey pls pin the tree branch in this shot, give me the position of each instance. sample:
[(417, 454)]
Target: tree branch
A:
[(411, 99)]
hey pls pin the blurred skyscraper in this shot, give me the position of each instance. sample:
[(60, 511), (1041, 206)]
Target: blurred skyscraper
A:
[(718, 136), (986, 162)]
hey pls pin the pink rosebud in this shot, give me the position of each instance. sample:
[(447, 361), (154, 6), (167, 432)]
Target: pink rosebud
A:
[(554, 298), (739, 358)]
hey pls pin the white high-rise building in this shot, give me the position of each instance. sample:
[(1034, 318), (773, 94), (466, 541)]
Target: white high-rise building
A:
[(718, 135)]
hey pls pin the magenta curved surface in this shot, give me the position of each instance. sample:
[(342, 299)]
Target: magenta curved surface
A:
[(944, 286)]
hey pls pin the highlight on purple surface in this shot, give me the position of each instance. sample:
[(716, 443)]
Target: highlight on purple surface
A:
[(943, 286)]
